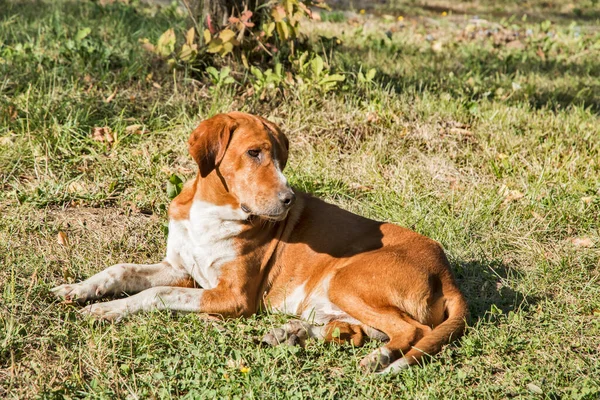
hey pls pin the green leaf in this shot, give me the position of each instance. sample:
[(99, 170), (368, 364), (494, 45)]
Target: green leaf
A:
[(224, 72), (212, 71), (174, 186), (317, 66), (336, 333), (332, 78), (256, 72), (371, 74), (82, 34)]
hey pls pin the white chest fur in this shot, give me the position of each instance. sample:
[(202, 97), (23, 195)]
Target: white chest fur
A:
[(205, 241)]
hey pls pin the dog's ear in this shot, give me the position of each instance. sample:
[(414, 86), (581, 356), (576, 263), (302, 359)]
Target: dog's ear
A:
[(280, 139), (209, 141)]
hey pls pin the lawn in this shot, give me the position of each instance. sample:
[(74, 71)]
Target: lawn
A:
[(480, 129)]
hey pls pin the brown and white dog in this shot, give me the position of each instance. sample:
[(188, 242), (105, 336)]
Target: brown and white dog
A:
[(241, 240)]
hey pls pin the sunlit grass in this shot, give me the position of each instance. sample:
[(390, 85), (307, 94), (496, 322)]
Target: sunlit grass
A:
[(489, 149)]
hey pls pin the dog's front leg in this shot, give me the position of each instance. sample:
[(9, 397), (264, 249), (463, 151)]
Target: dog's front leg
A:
[(212, 301), (122, 278)]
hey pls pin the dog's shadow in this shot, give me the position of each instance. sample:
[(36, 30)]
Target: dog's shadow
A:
[(487, 288)]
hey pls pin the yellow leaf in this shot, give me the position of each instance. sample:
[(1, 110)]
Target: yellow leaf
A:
[(227, 48), (289, 6), (215, 46), (269, 29), (166, 43), (226, 35), (207, 36), (283, 30), (187, 52), (189, 36)]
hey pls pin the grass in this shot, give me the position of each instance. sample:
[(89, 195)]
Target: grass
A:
[(490, 148)]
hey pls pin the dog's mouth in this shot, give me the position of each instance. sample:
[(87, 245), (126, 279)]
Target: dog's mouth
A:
[(270, 217)]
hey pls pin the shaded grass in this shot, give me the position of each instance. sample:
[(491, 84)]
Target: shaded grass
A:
[(421, 148)]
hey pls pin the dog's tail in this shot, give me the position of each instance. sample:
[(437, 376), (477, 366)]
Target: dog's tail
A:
[(452, 328)]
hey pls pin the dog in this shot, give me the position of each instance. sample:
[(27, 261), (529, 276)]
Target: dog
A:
[(242, 240)]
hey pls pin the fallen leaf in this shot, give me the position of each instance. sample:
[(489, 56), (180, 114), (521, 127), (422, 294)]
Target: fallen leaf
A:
[(156, 85), (541, 54), (103, 134), (533, 388), (537, 216), (12, 113), (581, 242), (135, 129), (513, 195), (461, 131), (515, 44), (588, 199), (372, 117), (111, 97), (62, 239), (75, 187), (359, 187)]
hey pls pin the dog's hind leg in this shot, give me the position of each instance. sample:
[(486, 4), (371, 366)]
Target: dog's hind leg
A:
[(124, 278), (403, 330)]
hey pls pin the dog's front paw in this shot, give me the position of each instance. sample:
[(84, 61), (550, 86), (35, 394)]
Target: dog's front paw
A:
[(80, 292), (110, 311)]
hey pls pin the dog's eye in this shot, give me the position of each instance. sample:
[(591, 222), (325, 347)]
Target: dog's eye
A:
[(253, 153)]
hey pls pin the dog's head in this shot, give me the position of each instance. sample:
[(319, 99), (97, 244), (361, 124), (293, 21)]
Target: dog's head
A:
[(248, 154)]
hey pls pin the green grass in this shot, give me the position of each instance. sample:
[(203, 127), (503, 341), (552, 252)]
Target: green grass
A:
[(493, 150)]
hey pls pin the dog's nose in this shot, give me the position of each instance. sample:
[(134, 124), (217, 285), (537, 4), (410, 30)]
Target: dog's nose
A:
[(287, 198)]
